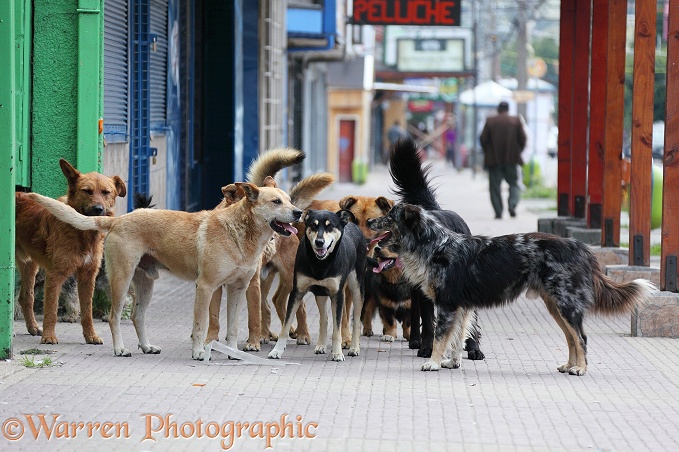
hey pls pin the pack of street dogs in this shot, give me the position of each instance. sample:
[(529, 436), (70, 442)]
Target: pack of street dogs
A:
[(410, 261)]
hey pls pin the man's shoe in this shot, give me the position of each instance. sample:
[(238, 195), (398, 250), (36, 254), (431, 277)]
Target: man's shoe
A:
[(512, 213), (498, 217)]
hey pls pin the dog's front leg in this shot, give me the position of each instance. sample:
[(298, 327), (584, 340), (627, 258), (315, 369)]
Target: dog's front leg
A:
[(215, 307), (86, 277), (336, 305), (53, 283), (460, 328), (254, 300), (443, 333), (355, 348), (293, 303), (322, 303), (201, 309)]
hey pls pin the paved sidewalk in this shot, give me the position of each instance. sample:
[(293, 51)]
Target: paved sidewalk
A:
[(379, 401)]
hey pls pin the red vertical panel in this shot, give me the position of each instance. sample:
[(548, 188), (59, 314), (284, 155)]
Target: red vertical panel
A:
[(597, 112), (583, 10), (566, 59), (615, 102), (642, 134), (670, 210)]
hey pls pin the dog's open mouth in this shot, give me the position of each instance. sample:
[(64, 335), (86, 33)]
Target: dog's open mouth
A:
[(322, 253), (284, 229), (387, 263), (382, 238)]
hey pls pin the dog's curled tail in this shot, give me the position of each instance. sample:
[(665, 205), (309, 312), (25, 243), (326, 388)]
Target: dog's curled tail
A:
[(411, 179), (70, 216), (620, 298), (271, 162), (308, 188)]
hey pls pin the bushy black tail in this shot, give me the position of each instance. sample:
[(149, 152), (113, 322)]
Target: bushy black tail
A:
[(410, 178), (142, 201)]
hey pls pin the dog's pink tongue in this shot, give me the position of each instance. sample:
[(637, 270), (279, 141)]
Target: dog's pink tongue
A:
[(290, 228), (381, 266)]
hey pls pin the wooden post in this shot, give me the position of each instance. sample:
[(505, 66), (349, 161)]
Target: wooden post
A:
[(642, 134), (670, 208), (597, 112), (564, 146), (583, 10), (615, 91)]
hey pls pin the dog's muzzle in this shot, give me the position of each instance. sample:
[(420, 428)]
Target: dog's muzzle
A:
[(284, 229)]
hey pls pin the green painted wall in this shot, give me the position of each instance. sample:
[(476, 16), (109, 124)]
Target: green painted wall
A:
[(54, 109)]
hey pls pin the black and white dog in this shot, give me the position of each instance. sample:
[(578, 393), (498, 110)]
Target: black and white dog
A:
[(413, 187), (461, 272), (332, 255)]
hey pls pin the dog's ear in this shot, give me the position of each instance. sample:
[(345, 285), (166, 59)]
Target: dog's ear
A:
[(346, 216), (232, 193), (269, 182), (251, 191), (384, 204), (69, 171), (308, 216), (346, 202), (120, 186), (411, 218)]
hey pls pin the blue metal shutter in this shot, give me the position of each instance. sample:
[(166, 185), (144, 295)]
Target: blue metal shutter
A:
[(116, 70), (158, 67)]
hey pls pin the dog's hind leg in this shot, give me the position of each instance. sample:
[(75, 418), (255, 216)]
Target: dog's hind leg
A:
[(213, 324), (86, 278), (28, 270), (355, 288), (235, 295), (368, 314), (388, 325), (473, 341), (293, 304), (254, 301), (346, 317), (572, 339), (428, 320), (443, 334), (415, 338), (336, 308), (264, 288), (143, 286), (322, 303), (460, 327)]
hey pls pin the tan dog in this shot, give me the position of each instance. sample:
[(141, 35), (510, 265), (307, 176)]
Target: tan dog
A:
[(62, 250), (278, 255), (214, 248)]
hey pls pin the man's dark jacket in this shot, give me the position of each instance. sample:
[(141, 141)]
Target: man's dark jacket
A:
[(502, 140)]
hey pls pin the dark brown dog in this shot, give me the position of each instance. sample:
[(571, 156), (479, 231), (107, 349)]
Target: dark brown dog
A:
[(62, 250)]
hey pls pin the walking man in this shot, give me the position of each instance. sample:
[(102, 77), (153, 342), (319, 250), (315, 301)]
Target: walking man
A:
[(502, 140)]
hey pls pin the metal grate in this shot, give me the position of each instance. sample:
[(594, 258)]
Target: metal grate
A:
[(273, 66), (116, 70)]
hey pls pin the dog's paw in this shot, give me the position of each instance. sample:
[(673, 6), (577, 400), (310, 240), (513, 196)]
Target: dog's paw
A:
[(577, 370), (450, 363), (211, 337), (96, 340), (338, 357), (564, 368), (199, 354), (122, 352), (475, 355), (424, 353), (320, 350), (414, 344), (303, 339), (70, 318), (35, 330), (293, 333), (387, 338), (273, 336), (354, 351), (430, 365), (346, 344), (251, 347), (49, 339), (150, 349), (275, 354), (368, 332)]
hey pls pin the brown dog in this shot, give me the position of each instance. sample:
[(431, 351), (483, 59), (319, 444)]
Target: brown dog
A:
[(387, 292), (62, 250), (220, 247)]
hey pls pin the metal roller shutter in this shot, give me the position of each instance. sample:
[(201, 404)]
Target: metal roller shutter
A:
[(158, 66), (116, 70)]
